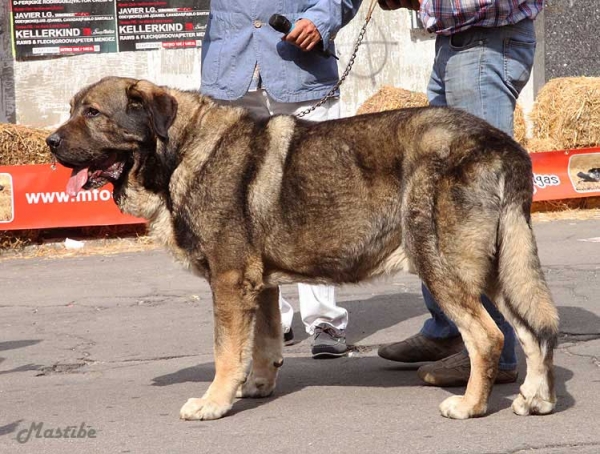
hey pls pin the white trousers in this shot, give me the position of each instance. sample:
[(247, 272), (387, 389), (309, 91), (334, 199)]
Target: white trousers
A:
[(317, 302)]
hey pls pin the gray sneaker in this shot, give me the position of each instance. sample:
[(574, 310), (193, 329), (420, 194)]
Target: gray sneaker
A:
[(328, 342)]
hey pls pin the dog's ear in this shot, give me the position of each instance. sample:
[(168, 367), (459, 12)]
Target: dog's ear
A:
[(161, 106)]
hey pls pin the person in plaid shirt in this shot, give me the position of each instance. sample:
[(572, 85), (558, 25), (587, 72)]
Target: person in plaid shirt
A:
[(449, 17), (484, 53)]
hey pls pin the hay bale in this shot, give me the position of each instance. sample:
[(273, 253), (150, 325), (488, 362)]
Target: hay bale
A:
[(535, 145), (21, 145), (390, 98), (567, 112), (577, 207), (520, 127)]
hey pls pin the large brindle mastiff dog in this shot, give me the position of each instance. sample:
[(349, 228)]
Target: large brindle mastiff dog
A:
[(252, 204)]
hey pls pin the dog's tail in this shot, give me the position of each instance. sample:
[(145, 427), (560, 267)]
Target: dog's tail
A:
[(522, 281)]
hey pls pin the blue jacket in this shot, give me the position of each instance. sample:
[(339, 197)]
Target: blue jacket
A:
[(238, 36)]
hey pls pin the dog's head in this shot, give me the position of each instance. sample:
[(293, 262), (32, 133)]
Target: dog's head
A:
[(113, 124)]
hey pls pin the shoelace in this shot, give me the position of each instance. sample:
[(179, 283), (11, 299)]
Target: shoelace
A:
[(329, 330)]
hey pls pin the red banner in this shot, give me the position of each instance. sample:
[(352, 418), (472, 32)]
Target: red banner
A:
[(566, 174), (34, 197)]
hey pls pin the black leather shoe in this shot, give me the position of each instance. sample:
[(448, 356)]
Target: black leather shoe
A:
[(288, 337)]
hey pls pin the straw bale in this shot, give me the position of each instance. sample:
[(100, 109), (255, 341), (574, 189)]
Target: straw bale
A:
[(390, 98), (21, 145), (576, 208), (536, 145), (567, 112), (520, 127)]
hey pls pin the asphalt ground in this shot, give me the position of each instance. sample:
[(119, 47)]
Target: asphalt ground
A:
[(109, 347)]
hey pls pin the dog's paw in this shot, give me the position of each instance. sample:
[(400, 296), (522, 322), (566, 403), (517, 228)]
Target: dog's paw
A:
[(532, 406), (195, 409), (256, 387), (457, 407)]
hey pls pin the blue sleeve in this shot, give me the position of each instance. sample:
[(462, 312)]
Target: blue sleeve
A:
[(329, 16)]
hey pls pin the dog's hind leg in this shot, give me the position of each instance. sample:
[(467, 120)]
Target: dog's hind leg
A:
[(528, 305), (449, 233), (483, 340), (235, 306), (267, 351)]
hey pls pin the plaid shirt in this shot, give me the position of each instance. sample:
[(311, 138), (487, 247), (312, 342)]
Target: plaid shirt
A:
[(451, 16)]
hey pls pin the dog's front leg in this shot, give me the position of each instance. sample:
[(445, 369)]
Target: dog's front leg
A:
[(267, 353), (234, 312)]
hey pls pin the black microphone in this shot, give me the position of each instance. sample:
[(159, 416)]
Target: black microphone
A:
[(283, 25)]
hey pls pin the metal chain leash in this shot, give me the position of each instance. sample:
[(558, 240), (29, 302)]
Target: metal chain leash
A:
[(331, 93)]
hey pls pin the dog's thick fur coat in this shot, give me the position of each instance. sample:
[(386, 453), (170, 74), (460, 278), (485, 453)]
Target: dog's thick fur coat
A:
[(252, 204)]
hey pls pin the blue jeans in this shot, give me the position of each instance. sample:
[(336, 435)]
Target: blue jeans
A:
[(482, 71)]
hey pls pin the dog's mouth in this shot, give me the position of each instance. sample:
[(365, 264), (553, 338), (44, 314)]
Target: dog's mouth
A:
[(95, 175)]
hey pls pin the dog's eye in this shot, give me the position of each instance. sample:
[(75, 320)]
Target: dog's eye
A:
[(91, 112)]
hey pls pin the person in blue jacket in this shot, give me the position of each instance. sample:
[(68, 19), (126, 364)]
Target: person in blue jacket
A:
[(247, 63)]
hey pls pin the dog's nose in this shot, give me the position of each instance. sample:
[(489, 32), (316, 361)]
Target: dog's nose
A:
[(53, 140)]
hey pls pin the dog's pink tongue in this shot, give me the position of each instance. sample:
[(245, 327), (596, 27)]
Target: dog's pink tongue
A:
[(76, 181)]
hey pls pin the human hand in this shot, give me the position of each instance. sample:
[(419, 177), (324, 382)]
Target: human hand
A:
[(305, 35), (395, 4)]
